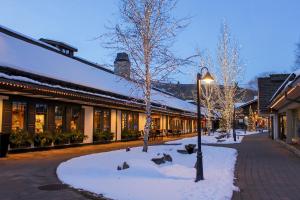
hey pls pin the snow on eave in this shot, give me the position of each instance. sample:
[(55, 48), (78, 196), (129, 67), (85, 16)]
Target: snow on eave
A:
[(240, 105), (288, 81)]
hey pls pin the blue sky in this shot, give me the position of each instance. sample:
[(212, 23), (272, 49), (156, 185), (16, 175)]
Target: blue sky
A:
[(267, 30)]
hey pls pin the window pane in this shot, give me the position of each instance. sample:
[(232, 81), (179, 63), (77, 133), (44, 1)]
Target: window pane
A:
[(59, 114), (124, 121), (40, 117), (136, 121), (97, 120), (130, 121), (106, 120), (18, 115), (74, 124)]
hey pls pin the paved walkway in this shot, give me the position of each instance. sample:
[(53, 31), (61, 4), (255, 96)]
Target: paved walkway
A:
[(265, 171)]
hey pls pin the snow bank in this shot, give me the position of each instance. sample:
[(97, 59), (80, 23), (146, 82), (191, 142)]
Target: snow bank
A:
[(145, 180)]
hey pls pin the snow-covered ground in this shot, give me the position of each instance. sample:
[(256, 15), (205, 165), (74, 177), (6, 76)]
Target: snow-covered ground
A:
[(145, 180), (212, 138)]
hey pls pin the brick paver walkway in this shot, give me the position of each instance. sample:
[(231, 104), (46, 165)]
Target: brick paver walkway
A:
[(266, 170)]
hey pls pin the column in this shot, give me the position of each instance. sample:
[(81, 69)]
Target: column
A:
[(113, 122), (119, 125), (276, 126), (289, 126), (142, 121), (88, 123), (1, 113)]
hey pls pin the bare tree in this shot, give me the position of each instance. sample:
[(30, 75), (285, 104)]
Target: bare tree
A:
[(229, 74), (147, 31), (297, 59)]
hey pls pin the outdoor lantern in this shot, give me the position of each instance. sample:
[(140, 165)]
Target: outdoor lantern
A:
[(207, 79)]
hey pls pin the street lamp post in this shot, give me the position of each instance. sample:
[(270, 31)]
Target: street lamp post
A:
[(233, 125), (206, 79)]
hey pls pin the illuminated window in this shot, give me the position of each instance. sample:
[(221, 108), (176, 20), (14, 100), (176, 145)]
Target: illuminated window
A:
[(101, 120), (130, 120), (75, 117), (124, 121), (106, 120), (59, 118), (155, 123), (40, 117), (97, 120), (18, 116)]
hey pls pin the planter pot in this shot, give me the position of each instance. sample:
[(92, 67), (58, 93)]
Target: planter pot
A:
[(4, 142)]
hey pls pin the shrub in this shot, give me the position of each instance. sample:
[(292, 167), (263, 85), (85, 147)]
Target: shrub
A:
[(76, 136), (61, 138), (130, 135), (43, 139), (20, 138), (103, 136)]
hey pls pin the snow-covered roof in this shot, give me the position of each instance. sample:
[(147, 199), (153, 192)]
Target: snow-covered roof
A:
[(29, 57), (239, 105)]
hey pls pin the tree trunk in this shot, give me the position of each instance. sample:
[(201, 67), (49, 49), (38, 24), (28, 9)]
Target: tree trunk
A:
[(147, 126), (148, 108)]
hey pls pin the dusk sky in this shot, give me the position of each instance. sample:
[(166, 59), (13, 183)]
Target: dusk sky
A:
[(267, 30)]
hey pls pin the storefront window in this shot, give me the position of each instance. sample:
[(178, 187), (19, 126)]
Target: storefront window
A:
[(106, 120), (75, 117), (135, 121), (40, 117), (59, 117), (176, 124), (18, 115), (129, 121), (282, 125), (155, 123), (101, 120), (124, 121), (97, 120)]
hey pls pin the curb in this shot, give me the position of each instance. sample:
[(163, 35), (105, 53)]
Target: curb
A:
[(289, 147)]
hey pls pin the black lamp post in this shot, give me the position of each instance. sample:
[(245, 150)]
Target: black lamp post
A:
[(233, 125), (207, 78)]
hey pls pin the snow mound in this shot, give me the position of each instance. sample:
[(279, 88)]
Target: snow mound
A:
[(144, 180)]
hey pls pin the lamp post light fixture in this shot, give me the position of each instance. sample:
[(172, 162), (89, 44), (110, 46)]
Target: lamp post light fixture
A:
[(207, 79)]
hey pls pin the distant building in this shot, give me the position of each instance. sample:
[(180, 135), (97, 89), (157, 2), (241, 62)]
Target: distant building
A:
[(243, 114), (284, 109), (279, 100), (267, 86)]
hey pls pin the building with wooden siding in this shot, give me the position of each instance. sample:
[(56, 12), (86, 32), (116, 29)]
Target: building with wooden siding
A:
[(45, 89), (284, 109)]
